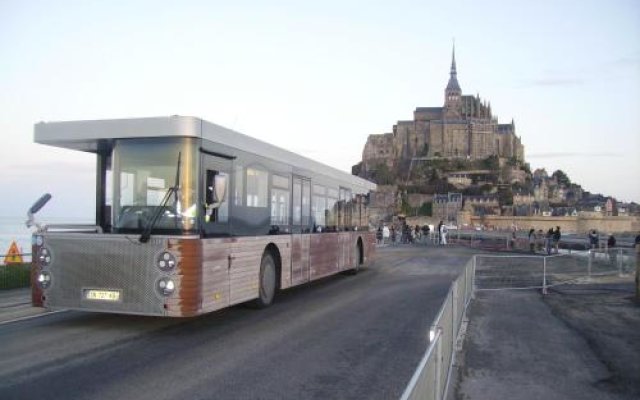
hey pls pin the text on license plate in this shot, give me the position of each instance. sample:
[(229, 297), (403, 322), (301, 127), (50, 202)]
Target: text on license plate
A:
[(106, 295)]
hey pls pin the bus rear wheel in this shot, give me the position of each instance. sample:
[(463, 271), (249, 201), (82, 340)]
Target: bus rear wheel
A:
[(357, 257), (267, 282)]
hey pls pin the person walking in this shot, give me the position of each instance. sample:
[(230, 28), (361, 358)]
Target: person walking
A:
[(593, 239), (547, 242), (540, 240), (532, 240), (556, 239), (611, 244), (379, 235), (439, 232), (425, 233), (443, 234), (385, 234)]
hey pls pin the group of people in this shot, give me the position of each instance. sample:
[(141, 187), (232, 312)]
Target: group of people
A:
[(594, 240), (408, 234), (550, 240)]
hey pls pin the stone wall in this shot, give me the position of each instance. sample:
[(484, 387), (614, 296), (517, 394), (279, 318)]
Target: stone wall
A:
[(580, 224)]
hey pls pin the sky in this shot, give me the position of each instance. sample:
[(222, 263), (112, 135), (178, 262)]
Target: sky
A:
[(317, 78)]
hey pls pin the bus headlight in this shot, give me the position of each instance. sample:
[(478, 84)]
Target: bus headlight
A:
[(44, 256), (38, 240), (165, 286), (44, 279), (166, 261)]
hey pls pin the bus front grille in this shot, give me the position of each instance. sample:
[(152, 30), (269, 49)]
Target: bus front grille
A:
[(105, 263)]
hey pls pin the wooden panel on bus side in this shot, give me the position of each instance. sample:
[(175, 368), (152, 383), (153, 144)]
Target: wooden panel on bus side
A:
[(369, 243), (215, 273), (246, 256), (300, 258), (324, 254), (347, 243)]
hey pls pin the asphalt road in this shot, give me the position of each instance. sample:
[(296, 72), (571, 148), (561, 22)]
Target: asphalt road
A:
[(345, 337)]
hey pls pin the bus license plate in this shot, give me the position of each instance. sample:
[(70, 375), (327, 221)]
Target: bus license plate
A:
[(104, 295)]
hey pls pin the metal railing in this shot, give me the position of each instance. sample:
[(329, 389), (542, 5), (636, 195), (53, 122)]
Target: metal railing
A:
[(431, 378), (502, 272), (505, 241)]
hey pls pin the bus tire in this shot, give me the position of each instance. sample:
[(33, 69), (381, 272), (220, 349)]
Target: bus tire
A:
[(267, 282), (357, 252)]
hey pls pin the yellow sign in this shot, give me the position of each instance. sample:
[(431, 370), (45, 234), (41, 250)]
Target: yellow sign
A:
[(14, 255)]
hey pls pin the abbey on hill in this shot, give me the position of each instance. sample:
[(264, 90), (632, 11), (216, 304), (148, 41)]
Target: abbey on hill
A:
[(463, 127), (456, 163)]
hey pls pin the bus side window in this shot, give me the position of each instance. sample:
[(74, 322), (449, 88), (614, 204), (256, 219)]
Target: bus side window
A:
[(257, 183)]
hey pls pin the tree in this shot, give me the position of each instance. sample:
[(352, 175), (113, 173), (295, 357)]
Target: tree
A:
[(356, 169), (426, 208), (561, 178), (492, 163), (505, 195), (383, 175)]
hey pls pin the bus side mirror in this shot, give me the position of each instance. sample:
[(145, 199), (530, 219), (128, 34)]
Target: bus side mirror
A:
[(35, 208), (40, 203)]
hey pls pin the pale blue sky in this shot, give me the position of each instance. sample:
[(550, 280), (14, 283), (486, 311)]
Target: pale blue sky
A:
[(318, 79)]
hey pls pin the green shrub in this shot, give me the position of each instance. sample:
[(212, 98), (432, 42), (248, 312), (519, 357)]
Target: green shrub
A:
[(14, 276)]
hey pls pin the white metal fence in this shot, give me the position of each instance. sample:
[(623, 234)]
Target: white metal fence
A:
[(430, 381), (431, 378), (500, 272)]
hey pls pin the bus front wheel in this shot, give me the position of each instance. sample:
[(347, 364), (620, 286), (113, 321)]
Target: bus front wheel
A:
[(267, 282)]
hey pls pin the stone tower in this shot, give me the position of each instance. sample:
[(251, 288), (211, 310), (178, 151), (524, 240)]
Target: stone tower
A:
[(453, 93)]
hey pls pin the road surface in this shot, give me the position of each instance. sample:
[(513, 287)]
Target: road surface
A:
[(348, 337)]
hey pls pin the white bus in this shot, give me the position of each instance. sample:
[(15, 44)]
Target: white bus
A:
[(192, 217)]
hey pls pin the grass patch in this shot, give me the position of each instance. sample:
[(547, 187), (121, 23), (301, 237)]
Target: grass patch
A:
[(14, 276)]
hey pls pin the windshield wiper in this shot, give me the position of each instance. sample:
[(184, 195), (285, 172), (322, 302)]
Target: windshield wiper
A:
[(175, 189)]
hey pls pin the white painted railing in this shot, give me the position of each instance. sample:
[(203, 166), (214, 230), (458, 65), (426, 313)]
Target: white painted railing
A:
[(431, 378)]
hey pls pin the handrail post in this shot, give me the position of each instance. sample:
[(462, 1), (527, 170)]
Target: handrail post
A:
[(544, 275), (473, 277), (619, 261), (438, 366), (590, 258)]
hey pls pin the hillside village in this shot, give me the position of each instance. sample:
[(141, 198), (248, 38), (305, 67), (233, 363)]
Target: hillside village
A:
[(459, 159)]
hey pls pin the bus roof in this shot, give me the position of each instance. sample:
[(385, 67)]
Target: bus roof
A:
[(87, 136)]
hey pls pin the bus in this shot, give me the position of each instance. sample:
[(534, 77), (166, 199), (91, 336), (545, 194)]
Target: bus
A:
[(192, 217)]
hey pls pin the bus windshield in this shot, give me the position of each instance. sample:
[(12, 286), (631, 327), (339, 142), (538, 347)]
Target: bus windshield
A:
[(144, 171)]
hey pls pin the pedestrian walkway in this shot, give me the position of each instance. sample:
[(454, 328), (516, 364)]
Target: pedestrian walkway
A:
[(577, 342)]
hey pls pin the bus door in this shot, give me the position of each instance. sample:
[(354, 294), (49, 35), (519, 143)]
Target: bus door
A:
[(301, 229)]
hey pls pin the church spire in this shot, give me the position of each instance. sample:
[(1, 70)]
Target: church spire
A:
[(453, 87), (453, 92), (453, 61)]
